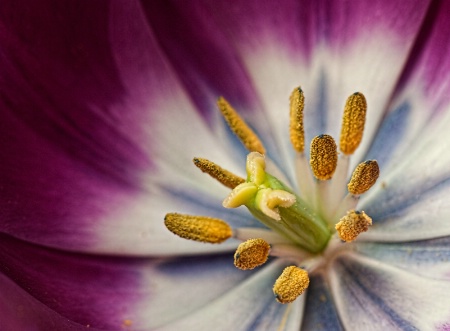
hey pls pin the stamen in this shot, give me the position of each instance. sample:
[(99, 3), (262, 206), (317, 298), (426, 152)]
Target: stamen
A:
[(364, 177), (225, 177), (353, 123), (245, 134), (292, 283), (198, 228), (297, 134), (251, 254), (352, 224), (323, 157)]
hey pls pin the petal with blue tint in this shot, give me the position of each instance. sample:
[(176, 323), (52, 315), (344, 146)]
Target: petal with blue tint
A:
[(371, 295), (423, 90), (409, 202), (428, 258), (320, 313)]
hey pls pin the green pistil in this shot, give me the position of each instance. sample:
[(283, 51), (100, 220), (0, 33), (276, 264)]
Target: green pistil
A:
[(276, 206)]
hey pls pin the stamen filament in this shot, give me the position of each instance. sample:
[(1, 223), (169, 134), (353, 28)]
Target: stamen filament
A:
[(245, 134), (244, 234), (353, 122), (291, 284), (297, 134), (251, 254), (198, 228), (305, 179), (289, 251), (337, 189), (223, 176)]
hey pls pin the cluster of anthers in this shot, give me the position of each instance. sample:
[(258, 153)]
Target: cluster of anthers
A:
[(302, 224)]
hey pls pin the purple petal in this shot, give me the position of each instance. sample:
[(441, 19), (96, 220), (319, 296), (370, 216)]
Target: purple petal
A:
[(109, 293), (429, 63), (91, 118), (20, 311), (422, 95), (74, 286)]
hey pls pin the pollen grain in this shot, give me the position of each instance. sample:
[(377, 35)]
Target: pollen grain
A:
[(245, 134), (251, 254), (198, 228), (291, 283)]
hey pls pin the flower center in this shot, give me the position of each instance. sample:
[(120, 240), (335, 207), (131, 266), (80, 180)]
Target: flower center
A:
[(301, 221)]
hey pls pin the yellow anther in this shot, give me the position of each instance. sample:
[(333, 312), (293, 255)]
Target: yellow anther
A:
[(245, 134), (251, 254), (323, 157), (198, 228), (364, 177), (223, 176), (353, 123), (352, 224), (292, 283), (297, 134)]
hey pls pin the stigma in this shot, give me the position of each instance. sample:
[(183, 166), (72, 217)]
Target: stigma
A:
[(300, 221)]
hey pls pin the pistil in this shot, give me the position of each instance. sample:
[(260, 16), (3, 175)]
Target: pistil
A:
[(276, 206)]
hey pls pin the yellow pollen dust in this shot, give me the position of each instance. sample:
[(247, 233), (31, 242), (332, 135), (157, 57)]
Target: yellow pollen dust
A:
[(353, 123), (353, 224), (364, 177), (296, 131), (198, 228), (251, 254), (245, 134), (223, 176), (324, 157), (292, 283)]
